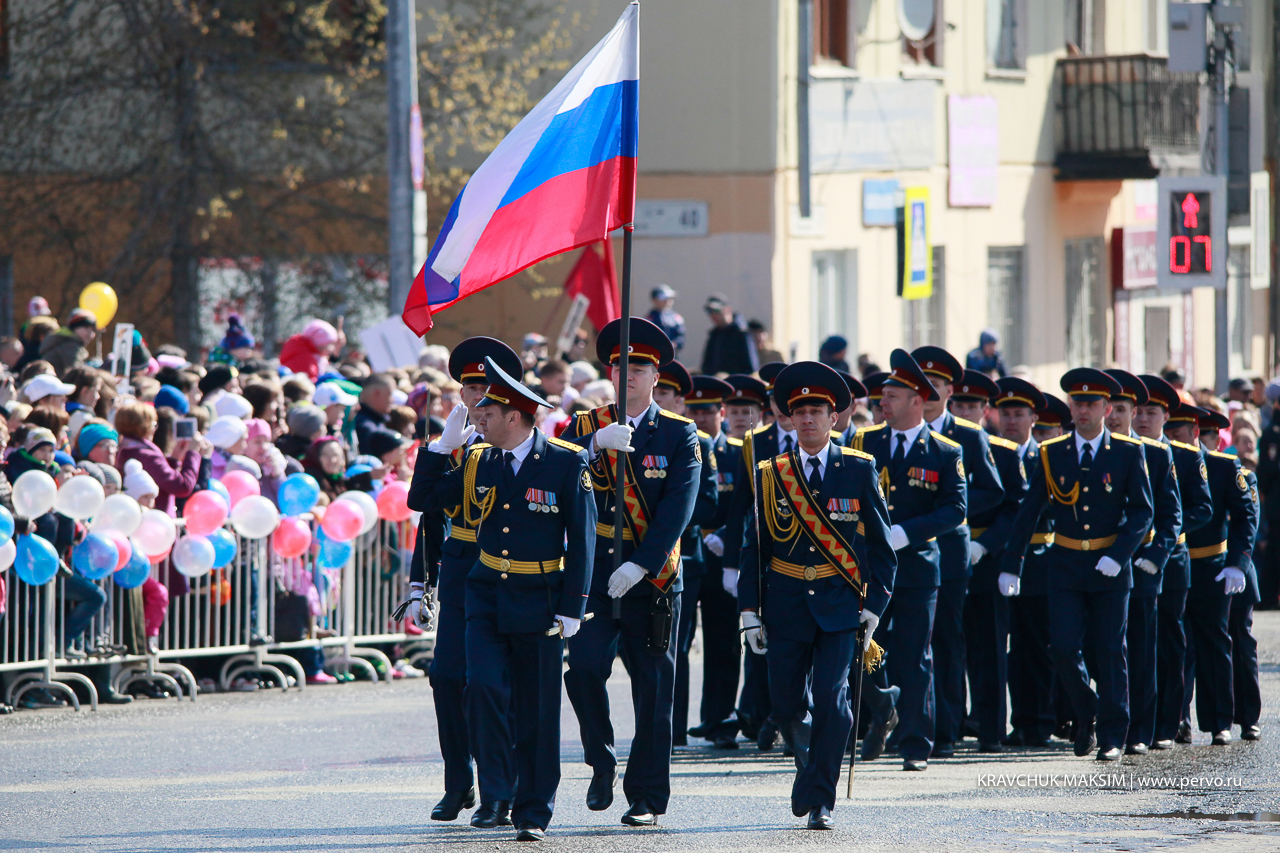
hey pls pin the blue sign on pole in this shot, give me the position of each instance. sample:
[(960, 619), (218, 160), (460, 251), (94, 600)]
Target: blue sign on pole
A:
[(879, 202)]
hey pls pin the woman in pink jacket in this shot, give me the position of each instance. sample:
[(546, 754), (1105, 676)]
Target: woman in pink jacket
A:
[(176, 476)]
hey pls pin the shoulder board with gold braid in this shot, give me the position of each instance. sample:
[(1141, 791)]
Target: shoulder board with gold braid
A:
[(1153, 442), (705, 435), (1000, 441), (835, 434), (760, 428), (567, 445), (807, 511), (681, 418), (1185, 446), (1127, 438), (734, 442), (944, 439), (1221, 455), (961, 422), (585, 425), (852, 451), (1063, 437)]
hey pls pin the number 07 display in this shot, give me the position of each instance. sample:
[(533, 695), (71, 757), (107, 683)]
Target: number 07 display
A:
[(1191, 232)]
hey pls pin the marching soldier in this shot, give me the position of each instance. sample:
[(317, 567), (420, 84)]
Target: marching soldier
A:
[(923, 475), (1024, 415), (824, 536), (743, 407), (844, 424), (1148, 561), (986, 611), (460, 551), (1171, 600), (1093, 485), (721, 647), (660, 458), (530, 498), (874, 383), (984, 494)]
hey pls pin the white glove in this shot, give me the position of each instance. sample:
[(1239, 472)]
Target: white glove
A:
[(1008, 584), (753, 631), (1148, 566), (976, 552), (627, 576), (1108, 566), (871, 621), (729, 580), (412, 608), (568, 626), (1234, 580), (456, 432), (714, 544), (898, 538), (612, 437)]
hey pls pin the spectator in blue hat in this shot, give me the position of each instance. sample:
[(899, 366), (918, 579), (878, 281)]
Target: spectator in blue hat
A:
[(987, 358), (174, 398), (665, 317)]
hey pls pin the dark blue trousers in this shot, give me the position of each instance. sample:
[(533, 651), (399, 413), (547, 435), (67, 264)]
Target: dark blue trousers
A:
[(448, 674), (1030, 667), (1244, 662), (1208, 609), (799, 671), (949, 646), (905, 632), (1171, 660), (1142, 638), (1101, 617), (653, 680), (986, 627), (506, 671), (721, 646), (754, 705), (684, 641)]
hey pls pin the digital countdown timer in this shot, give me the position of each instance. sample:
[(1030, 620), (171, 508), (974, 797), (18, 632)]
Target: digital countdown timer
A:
[(1191, 232), (1191, 240)]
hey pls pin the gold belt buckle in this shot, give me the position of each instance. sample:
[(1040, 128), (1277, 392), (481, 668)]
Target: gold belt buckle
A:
[(1084, 544), (810, 573), (504, 564)]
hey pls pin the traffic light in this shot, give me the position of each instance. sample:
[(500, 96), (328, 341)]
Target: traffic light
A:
[(1191, 235)]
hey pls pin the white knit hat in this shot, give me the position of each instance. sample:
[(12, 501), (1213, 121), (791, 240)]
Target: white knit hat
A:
[(226, 431), (233, 405), (137, 482)]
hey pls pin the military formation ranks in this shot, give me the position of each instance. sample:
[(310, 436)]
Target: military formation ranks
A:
[(981, 559)]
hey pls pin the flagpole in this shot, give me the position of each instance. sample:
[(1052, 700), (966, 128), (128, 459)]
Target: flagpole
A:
[(624, 368)]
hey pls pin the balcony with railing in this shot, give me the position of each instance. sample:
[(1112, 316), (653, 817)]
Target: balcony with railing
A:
[(1121, 117)]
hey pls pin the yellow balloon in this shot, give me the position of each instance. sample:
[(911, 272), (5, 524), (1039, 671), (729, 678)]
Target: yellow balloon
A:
[(99, 298)]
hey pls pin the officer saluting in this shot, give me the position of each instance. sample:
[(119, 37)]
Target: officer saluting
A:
[(459, 552), (1093, 485), (824, 536), (662, 462), (530, 497), (923, 477)]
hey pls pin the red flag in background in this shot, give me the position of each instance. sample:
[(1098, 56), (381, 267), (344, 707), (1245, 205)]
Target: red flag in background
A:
[(593, 276)]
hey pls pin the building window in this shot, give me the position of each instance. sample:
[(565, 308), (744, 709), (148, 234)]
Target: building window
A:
[(1007, 34), (1086, 313), (928, 50), (1239, 288), (831, 32), (833, 297), (1006, 298), (1085, 24), (924, 321)]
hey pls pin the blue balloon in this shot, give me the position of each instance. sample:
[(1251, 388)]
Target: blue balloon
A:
[(6, 525), (297, 494), (36, 561), (333, 554), (221, 490), (224, 547), (135, 572), (95, 557)]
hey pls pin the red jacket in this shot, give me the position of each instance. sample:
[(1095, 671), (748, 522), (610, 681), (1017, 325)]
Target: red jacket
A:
[(301, 356)]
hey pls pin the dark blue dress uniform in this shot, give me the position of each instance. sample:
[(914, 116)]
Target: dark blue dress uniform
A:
[(811, 607), (1171, 600), (665, 466), (926, 493), (1244, 647), (1226, 541), (985, 494), (536, 533), (453, 559), (1104, 511)]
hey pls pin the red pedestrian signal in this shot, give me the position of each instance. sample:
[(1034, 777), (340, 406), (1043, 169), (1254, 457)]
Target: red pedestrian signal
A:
[(1190, 207), (1190, 238)]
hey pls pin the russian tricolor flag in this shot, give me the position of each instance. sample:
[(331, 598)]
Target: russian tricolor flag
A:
[(564, 177)]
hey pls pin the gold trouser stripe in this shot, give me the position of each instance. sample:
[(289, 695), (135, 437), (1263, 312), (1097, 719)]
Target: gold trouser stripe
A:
[(463, 534), (1042, 538), (1083, 544), (1207, 551), (794, 570), (606, 530), (1151, 537), (521, 567), (975, 532)]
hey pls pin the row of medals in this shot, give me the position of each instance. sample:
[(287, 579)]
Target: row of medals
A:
[(655, 473), (537, 507)]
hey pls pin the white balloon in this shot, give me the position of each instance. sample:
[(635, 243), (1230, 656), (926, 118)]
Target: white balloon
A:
[(156, 532), (8, 551), (193, 556), (80, 497), (33, 494), (255, 517), (119, 512), (367, 506)]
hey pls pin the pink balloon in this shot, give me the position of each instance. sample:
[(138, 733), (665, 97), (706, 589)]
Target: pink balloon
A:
[(342, 521), (124, 550), (240, 485), (206, 511), (393, 502), (292, 537)]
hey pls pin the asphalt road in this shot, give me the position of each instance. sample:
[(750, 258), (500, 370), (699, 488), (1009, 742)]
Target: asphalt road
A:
[(356, 767)]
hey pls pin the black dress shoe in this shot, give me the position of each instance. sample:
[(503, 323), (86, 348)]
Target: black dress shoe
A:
[(700, 730), (489, 815), (1251, 732), (529, 831), (725, 741), (943, 750), (1222, 738), (1063, 731), (820, 818), (986, 746), (1135, 749), (873, 743), (1164, 743), (1109, 753), (1015, 738), (916, 765), (640, 814), (1086, 739), (454, 802), (600, 791), (767, 738), (1184, 733)]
